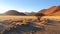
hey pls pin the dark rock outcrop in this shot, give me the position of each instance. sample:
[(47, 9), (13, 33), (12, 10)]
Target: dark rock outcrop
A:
[(14, 12)]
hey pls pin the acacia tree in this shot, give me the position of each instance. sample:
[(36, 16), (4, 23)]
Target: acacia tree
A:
[(39, 15)]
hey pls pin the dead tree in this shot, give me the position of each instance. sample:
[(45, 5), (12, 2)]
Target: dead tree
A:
[(39, 15)]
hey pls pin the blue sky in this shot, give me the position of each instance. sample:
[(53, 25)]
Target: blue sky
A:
[(27, 5)]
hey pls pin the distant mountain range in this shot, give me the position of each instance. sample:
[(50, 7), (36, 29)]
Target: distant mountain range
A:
[(14, 12), (52, 11)]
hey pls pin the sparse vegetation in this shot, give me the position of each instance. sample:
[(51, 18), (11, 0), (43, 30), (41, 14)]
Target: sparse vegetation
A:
[(29, 25)]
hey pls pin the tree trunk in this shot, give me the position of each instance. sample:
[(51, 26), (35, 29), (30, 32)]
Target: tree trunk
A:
[(39, 17)]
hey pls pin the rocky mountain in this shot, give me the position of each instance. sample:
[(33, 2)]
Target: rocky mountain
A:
[(54, 10), (42, 11), (14, 12)]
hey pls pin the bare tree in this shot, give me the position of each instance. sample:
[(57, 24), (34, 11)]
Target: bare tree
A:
[(39, 15)]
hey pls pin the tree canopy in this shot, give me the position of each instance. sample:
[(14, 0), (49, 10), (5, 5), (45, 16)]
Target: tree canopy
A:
[(39, 14)]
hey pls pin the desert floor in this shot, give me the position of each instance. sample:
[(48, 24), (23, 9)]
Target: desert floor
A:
[(29, 25)]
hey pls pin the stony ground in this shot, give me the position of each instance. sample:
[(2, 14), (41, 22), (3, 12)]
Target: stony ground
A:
[(53, 27)]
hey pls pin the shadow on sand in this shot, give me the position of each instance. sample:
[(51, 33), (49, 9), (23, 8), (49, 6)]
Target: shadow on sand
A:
[(23, 29)]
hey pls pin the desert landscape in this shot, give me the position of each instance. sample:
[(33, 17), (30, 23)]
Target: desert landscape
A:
[(29, 16), (42, 22)]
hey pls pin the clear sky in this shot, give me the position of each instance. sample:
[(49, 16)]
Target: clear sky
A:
[(26, 5)]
